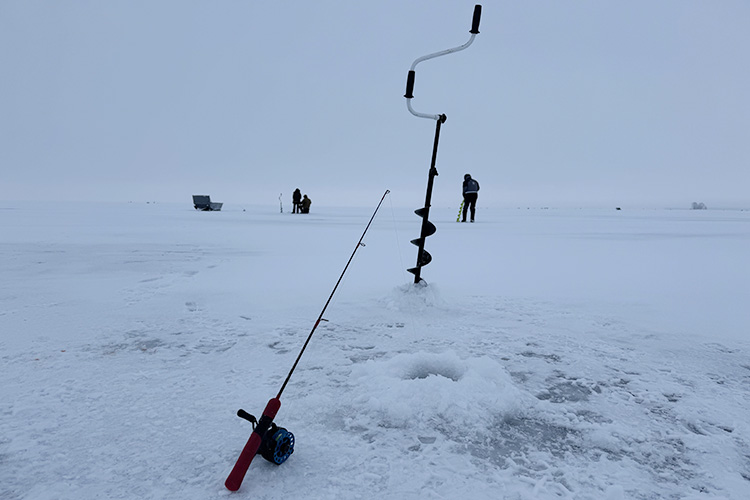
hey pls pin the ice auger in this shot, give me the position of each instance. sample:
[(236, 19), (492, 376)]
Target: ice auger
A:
[(428, 228)]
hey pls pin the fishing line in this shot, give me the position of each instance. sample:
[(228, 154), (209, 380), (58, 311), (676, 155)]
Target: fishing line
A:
[(395, 232)]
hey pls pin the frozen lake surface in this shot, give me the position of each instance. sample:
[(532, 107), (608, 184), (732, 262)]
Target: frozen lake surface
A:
[(582, 354)]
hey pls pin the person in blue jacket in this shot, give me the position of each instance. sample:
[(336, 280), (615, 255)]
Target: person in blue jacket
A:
[(471, 192)]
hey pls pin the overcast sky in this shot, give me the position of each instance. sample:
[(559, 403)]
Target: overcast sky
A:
[(582, 102)]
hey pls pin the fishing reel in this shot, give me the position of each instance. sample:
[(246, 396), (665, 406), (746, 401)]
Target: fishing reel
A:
[(276, 445)]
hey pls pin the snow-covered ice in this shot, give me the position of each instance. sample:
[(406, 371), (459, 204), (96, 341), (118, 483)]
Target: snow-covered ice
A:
[(580, 354)]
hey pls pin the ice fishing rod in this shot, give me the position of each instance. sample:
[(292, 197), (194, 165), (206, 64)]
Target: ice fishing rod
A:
[(428, 228), (274, 443)]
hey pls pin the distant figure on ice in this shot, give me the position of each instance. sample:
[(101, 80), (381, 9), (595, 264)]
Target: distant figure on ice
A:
[(306, 202), (296, 199), (471, 191)]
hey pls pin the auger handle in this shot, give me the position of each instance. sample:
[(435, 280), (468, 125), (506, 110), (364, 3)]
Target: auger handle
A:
[(475, 21), (411, 76), (234, 481), (410, 84)]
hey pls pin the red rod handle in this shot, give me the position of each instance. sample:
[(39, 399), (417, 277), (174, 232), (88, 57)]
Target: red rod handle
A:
[(234, 481)]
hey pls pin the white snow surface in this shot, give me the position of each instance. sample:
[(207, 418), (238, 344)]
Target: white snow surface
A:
[(553, 354)]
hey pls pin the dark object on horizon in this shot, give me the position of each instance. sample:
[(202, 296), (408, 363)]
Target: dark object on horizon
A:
[(203, 203)]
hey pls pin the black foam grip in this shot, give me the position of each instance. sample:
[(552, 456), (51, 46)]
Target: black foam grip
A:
[(475, 20), (410, 85)]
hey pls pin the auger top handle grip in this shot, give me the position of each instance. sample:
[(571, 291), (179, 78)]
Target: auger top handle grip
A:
[(475, 20), (234, 481)]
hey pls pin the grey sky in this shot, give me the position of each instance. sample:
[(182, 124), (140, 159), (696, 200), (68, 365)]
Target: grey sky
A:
[(584, 102)]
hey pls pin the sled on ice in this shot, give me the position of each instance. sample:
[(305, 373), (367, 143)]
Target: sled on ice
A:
[(203, 202)]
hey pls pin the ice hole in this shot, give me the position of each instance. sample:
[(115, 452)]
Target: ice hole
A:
[(423, 368)]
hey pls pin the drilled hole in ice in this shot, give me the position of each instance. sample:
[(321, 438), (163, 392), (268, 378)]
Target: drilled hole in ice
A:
[(443, 368)]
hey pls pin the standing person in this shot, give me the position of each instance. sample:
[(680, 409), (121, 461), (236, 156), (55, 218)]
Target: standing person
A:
[(306, 202), (296, 199), (471, 192)]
